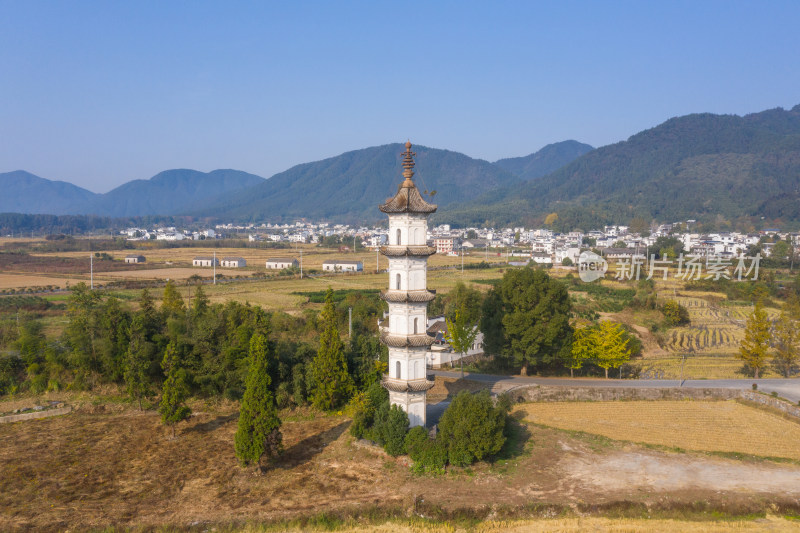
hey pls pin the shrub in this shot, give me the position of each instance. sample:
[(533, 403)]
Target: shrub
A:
[(366, 407), (394, 430), (674, 313), (472, 428), (567, 262), (429, 456)]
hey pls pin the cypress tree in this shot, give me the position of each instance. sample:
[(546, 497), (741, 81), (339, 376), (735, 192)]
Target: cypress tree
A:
[(259, 433), (172, 303), (332, 383), (173, 408), (137, 360)]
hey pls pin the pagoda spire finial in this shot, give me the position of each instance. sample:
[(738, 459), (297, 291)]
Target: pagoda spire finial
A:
[(408, 165)]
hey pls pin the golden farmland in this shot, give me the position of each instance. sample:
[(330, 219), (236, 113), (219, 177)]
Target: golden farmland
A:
[(721, 426)]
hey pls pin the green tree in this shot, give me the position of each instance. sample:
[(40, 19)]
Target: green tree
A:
[(173, 408), (332, 383), (472, 428), (534, 312), (466, 299), (137, 360), (780, 252), (200, 302), (258, 434), (786, 338), (172, 303), (461, 334), (755, 345), (392, 425)]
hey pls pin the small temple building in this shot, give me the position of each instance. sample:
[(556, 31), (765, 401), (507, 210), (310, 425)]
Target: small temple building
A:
[(408, 296)]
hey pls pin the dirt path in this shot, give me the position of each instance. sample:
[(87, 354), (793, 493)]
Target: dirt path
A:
[(653, 471)]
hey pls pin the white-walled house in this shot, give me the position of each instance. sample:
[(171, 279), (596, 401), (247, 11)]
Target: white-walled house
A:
[(441, 353), (204, 261), (233, 262), (135, 259), (343, 266), (279, 263)]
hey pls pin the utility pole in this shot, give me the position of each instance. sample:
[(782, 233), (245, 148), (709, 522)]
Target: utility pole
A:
[(462, 259), (349, 321), (301, 264), (377, 260), (214, 263), (91, 270)]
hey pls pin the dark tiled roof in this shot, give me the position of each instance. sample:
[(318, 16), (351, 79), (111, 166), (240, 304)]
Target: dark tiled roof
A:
[(407, 200)]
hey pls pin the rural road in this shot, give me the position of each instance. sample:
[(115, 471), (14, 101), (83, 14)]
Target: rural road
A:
[(786, 388)]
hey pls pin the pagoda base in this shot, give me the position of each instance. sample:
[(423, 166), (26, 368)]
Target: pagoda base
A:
[(412, 403)]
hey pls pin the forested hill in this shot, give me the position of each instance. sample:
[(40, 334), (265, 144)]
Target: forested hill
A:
[(349, 187), (547, 160), (722, 168), (171, 192)]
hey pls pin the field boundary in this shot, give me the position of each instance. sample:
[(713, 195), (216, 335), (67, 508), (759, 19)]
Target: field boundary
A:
[(34, 415), (549, 393)]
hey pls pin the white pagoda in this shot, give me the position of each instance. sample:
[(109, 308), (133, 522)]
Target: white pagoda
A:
[(408, 296)]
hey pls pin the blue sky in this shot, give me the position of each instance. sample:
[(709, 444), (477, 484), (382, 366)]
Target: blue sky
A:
[(99, 93)]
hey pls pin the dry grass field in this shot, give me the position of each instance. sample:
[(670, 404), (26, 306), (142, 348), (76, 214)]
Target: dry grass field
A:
[(17, 281), (279, 293), (107, 464), (722, 426), (256, 258)]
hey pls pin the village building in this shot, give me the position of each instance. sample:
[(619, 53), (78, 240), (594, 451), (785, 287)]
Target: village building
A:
[(441, 354), (445, 245), (135, 259), (408, 296), (205, 261), (342, 266), (279, 263), (233, 262)]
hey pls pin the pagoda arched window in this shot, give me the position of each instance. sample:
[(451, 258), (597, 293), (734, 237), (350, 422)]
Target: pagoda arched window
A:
[(399, 235), (397, 366), (398, 281), (416, 320)]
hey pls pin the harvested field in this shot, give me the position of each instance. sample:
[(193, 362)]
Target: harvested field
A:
[(724, 426), (18, 281), (256, 258), (173, 273)]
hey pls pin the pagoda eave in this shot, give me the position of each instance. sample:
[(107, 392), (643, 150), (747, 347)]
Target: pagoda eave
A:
[(407, 341), (395, 296), (414, 385), (407, 251)]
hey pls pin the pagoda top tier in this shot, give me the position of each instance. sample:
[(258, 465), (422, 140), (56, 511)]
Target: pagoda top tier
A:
[(408, 198)]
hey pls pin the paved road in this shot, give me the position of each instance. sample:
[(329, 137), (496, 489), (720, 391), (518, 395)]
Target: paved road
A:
[(786, 388)]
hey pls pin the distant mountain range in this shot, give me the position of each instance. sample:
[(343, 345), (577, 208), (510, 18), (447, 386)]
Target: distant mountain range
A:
[(724, 169), (167, 193), (548, 159), (346, 188)]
